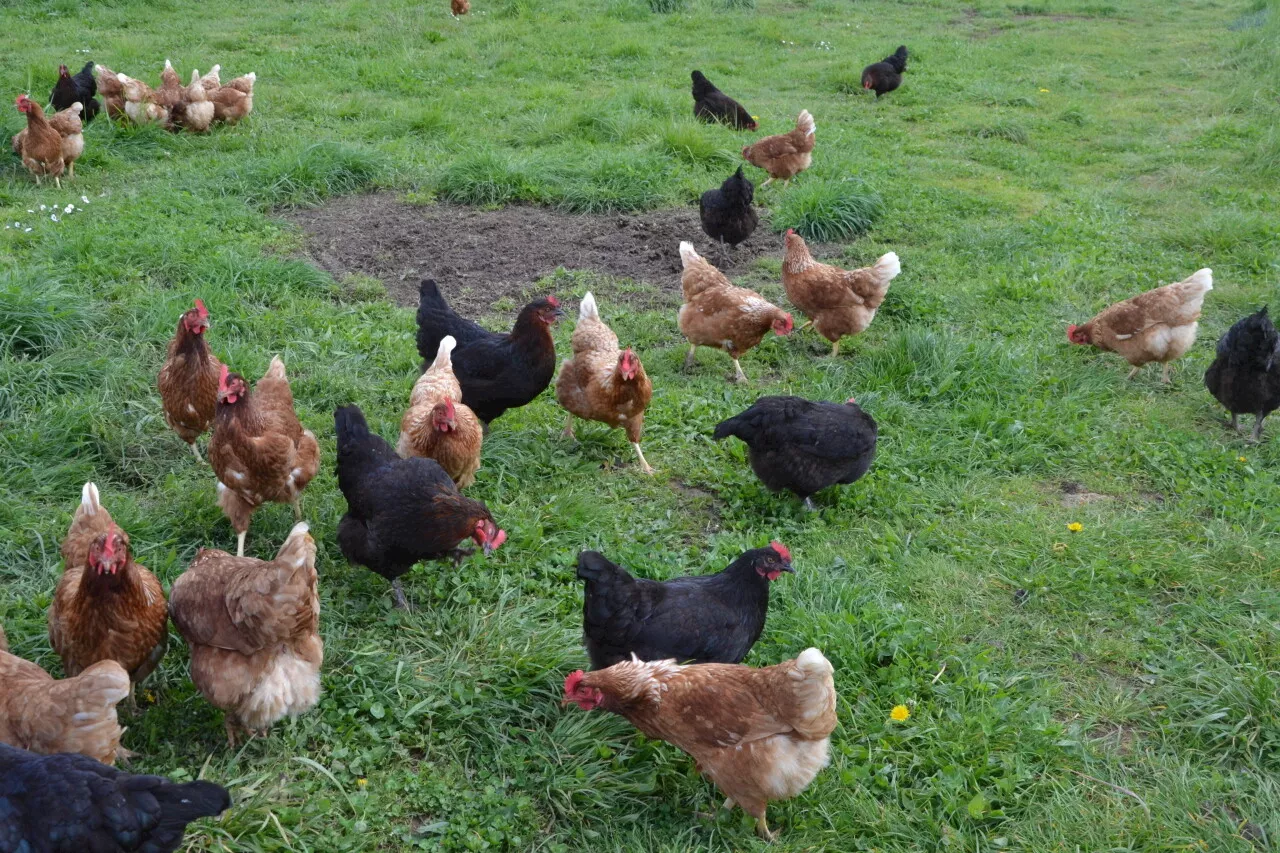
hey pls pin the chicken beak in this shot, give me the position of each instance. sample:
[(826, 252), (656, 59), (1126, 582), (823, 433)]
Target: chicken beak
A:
[(786, 567)]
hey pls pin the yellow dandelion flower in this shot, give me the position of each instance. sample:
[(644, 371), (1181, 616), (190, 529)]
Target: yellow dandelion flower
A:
[(1241, 459), (1075, 527), (1044, 90), (900, 713), (362, 782)]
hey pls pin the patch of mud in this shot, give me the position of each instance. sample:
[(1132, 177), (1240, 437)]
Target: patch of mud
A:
[(1074, 494), (482, 256)]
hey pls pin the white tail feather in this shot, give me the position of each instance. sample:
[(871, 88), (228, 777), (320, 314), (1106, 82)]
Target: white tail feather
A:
[(89, 498), (588, 310), (298, 529), (888, 265), (167, 65), (806, 123), (253, 76), (444, 352), (1203, 278), (687, 254), (813, 664)]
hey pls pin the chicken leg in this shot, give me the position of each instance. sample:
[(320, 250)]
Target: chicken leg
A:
[(835, 349), (1134, 372), (763, 830), (688, 359), (807, 324), (766, 183), (196, 451), (397, 596), (644, 465), (1164, 377), (738, 375), (240, 542), (297, 508), (809, 505), (568, 426), (1235, 422), (1257, 427)]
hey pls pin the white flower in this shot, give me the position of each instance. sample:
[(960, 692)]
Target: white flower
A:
[(85, 199), (25, 230), (53, 216), (29, 210), (43, 207), (68, 208)]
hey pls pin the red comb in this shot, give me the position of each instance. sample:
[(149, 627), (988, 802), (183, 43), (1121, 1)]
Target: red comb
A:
[(782, 550), (555, 303), (222, 378), (1070, 330), (200, 309), (572, 680)]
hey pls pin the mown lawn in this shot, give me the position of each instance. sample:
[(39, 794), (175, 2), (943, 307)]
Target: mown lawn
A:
[(1040, 160)]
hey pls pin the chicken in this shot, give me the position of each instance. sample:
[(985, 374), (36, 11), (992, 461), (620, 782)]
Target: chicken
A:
[(40, 146), (233, 101), (259, 449), (195, 111), (727, 214), (141, 102), (77, 714), (886, 75), (73, 804), (438, 426), (804, 446), (760, 735), (717, 314), (786, 155), (497, 371), (602, 383), (244, 83), (71, 132), (253, 627), (188, 380), (837, 302), (112, 91), (1159, 325), (106, 606), (79, 89), (212, 81), (706, 619), (459, 7), (1245, 376), (712, 105), (401, 511)]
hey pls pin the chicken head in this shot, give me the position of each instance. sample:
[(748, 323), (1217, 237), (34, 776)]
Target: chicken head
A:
[(231, 386), (444, 416), (586, 698), (196, 320), (488, 535), (772, 567), (109, 552), (628, 364)]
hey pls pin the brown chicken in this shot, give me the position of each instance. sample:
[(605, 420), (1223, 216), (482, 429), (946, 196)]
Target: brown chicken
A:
[(70, 129), (1159, 325), (106, 606), (233, 101), (254, 631), (188, 381), (602, 383), (142, 103), (837, 302), (194, 112), (212, 81), (459, 7), (759, 734), (717, 314), (259, 449), (77, 714), (112, 91), (786, 155), (438, 426), (40, 146)]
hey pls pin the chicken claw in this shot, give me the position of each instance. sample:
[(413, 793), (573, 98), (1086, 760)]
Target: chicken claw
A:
[(644, 464), (568, 426), (688, 359), (397, 596), (738, 375)]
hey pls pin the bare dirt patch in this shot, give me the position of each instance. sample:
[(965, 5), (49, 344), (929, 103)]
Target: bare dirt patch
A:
[(1074, 494), (481, 256)]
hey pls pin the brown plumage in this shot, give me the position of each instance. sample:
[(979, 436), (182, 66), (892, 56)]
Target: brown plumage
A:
[(759, 734), (460, 7), (77, 714), (194, 112), (234, 100), (717, 314), (253, 627), (786, 155), (112, 91), (188, 380), (603, 383), (40, 146), (1159, 325), (837, 302), (106, 606), (70, 130), (212, 80), (437, 425), (259, 449), (142, 104)]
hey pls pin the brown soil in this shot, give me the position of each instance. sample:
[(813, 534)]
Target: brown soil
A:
[(481, 256)]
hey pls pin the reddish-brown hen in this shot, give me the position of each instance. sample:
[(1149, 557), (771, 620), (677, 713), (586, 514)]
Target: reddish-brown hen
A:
[(438, 426), (837, 302), (259, 449), (70, 130), (106, 606), (759, 734), (112, 91), (786, 155), (717, 314), (41, 146), (188, 381)]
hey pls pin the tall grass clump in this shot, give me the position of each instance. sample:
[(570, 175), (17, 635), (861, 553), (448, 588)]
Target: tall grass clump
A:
[(829, 211), (307, 177), (485, 178), (38, 314), (694, 145), (663, 7)]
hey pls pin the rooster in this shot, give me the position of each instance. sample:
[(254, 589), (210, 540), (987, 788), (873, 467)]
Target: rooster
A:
[(79, 89), (438, 426), (786, 155), (602, 383), (1245, 376), (1159, 325), (188, 380), (886, 75), (760, 735), (837, 302), (712, 105)]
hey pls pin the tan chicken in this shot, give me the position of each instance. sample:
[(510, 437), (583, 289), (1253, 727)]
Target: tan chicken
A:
[(244, 83), (195, 111), (106, 606), (459, 7), (188, 380), (112, 91), (1159, 325), (760, 735), (233, 101), (437, 425), (602, 383), (786, 155), (717, 314), (77, 714), (259, 449), (141, 102), (40, 146), (254, 631), (70, 129), (837, 302), (212, 81)]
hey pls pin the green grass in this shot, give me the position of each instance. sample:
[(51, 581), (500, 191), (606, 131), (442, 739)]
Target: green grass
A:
[(1040, 161)]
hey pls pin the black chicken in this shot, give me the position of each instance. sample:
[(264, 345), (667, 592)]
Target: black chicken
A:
[(497, 371), (727, 214), (886, 75), (804, 446), (706, 619), (72, 804), (711, 105), (82, 88), (401, 511), (1245, 376)]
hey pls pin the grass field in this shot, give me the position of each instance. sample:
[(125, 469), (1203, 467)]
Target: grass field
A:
[(1041, 160)]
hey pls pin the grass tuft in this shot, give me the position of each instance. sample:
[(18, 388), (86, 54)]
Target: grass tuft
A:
[(666, 7), (38, 313), (307, 177), (829, 211)]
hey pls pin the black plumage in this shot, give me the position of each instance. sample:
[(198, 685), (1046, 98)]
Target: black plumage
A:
[(804, 446), (706, 619), (712, 105), (1245, 375), (80, 88), (72, 804), (727, 213), (497, 371), (886, 75)]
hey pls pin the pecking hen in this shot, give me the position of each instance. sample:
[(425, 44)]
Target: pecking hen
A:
[(886, 75), (712, 105), (786, 155), (1245, 375)]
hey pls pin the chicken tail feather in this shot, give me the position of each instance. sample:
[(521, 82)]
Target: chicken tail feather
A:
[(89, 499), (588, 310), (445, 351), (888, 266), (688, 255), (806, 123)]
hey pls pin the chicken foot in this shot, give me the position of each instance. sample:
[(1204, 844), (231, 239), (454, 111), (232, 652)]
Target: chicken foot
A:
[(240, 542), (738, 375), (688, 359), (196, 450), (1164, 377), (568, 426), (397, 596), (644, 464), (807, 324)]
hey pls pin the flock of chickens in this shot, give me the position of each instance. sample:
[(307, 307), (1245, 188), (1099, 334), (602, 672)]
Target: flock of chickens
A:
[(252, 625)]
